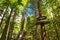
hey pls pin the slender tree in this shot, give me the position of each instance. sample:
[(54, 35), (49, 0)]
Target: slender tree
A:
[(4, 34), (16, 11), (11, 26), (21, 33), (37, 26), (42, 22)]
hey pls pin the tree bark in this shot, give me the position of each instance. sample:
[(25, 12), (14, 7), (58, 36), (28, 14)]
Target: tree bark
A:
[(3, 37), (39, 14), (11, 27), (43, 32), (21, 33)]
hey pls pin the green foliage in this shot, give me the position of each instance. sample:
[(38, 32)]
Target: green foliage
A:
[(49, 8)]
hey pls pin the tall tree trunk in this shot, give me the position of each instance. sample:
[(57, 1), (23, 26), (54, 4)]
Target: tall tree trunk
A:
[(11, 26), (3, 37), (39, 14), (43, 32), (21, 33)]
